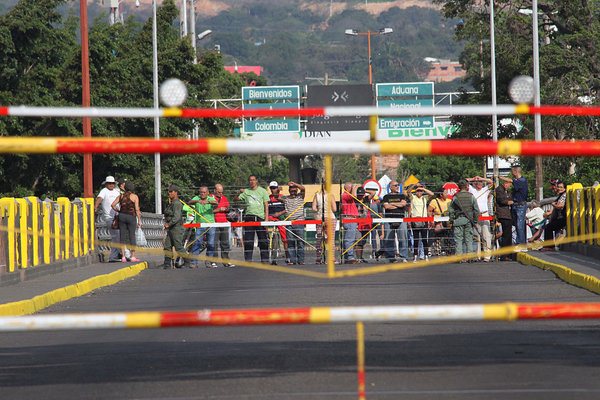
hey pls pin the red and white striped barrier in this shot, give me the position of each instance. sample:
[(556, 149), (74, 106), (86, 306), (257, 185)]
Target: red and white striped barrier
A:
[(69, 145), (303, 315), (319, 222), (120, 112)]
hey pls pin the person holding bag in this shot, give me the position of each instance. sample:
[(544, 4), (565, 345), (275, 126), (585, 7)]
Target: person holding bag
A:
[(128, 206), (464, 213), (418, 209), (438, 207)]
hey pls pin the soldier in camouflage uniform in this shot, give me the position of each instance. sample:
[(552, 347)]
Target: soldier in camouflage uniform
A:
[(173, 224), (464, 214)]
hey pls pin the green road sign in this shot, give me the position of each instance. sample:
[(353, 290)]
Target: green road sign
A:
[(274, 93), (272, 125), (405, 89), (404, 96), (438, 132), (271, 98)]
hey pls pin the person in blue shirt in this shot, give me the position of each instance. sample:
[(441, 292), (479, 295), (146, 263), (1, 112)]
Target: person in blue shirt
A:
[(519, 206)]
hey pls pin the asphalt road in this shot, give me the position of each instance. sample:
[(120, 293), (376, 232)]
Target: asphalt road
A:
[(473, 360)]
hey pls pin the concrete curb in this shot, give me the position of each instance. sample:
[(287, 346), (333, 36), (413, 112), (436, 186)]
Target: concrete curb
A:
[(566, 274), (48, 299)]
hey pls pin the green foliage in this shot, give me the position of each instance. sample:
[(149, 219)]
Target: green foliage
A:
[(40, 64), (293, 43), (435, 171), (569, 67)]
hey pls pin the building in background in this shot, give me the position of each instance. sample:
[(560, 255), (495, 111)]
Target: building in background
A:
[(443, 70)]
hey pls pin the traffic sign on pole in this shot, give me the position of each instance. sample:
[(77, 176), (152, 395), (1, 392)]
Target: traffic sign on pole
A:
[(410, 96), (269, 98)]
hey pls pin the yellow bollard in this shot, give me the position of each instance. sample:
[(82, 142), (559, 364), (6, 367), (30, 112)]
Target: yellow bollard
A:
[(47, 238), (8, 211), (75, 220), (596, 222), (23, 233), (360, 360), (36, 233), (65, 237)]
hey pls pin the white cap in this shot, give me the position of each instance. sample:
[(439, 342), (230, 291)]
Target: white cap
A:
[(273, 184), (109, 179)]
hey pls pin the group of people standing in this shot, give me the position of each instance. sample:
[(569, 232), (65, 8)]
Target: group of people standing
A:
[(470, 213), (118, 207), (209, 208)]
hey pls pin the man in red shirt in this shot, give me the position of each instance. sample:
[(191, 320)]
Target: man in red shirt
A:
[(277, 213), (222, 240)]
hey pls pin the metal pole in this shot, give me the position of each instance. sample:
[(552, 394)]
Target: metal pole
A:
[(370, 62), (183, 19), (372, 134), (193, 28), (88, 187), (539, 173), (494, 95), (157, 185)]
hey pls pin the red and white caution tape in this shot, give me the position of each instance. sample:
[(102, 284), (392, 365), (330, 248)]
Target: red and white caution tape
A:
[(303, 315), (319, 222)]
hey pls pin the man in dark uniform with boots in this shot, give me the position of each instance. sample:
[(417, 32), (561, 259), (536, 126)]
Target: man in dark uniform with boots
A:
[(464, 214), (174, 226)]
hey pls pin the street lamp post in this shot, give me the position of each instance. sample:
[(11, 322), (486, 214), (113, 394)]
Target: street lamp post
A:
[(368, 34), (494, 96), (537, 120), (88, 186), (157, 178)]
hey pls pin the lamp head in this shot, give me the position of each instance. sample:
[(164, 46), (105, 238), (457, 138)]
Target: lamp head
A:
[(351, 32), (204, 34), (137, 3), (385, 31)]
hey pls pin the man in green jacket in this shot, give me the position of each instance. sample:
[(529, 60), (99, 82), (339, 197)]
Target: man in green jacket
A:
[(464, 214), (173, 224)]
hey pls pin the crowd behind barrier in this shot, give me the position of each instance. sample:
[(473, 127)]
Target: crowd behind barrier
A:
[(36, 232)]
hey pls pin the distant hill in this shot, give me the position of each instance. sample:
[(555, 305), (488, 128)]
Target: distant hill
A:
[(323, 7)]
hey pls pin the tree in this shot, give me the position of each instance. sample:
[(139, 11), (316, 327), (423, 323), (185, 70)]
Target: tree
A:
[(435, 171), (569, 66)]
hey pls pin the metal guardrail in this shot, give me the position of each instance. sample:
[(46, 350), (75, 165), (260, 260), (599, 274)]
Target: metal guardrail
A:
[(35, 232), (152, 226)]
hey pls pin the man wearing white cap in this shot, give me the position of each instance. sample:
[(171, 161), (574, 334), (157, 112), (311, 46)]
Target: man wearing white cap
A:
[(106, 214)]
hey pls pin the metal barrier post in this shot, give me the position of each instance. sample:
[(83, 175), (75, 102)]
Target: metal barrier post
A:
[(84, 226), (91, 229), (65, 238), (580, 208), (8, 213), (589, 214), (360, 360), (36, 240), (569, 204), (58, 228), (23, 232), (330, 228), (76, 209), (47, 237), (596, 223)]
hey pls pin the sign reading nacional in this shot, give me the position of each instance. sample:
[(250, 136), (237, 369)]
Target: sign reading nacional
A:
[(407, 96), (269, 98)]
